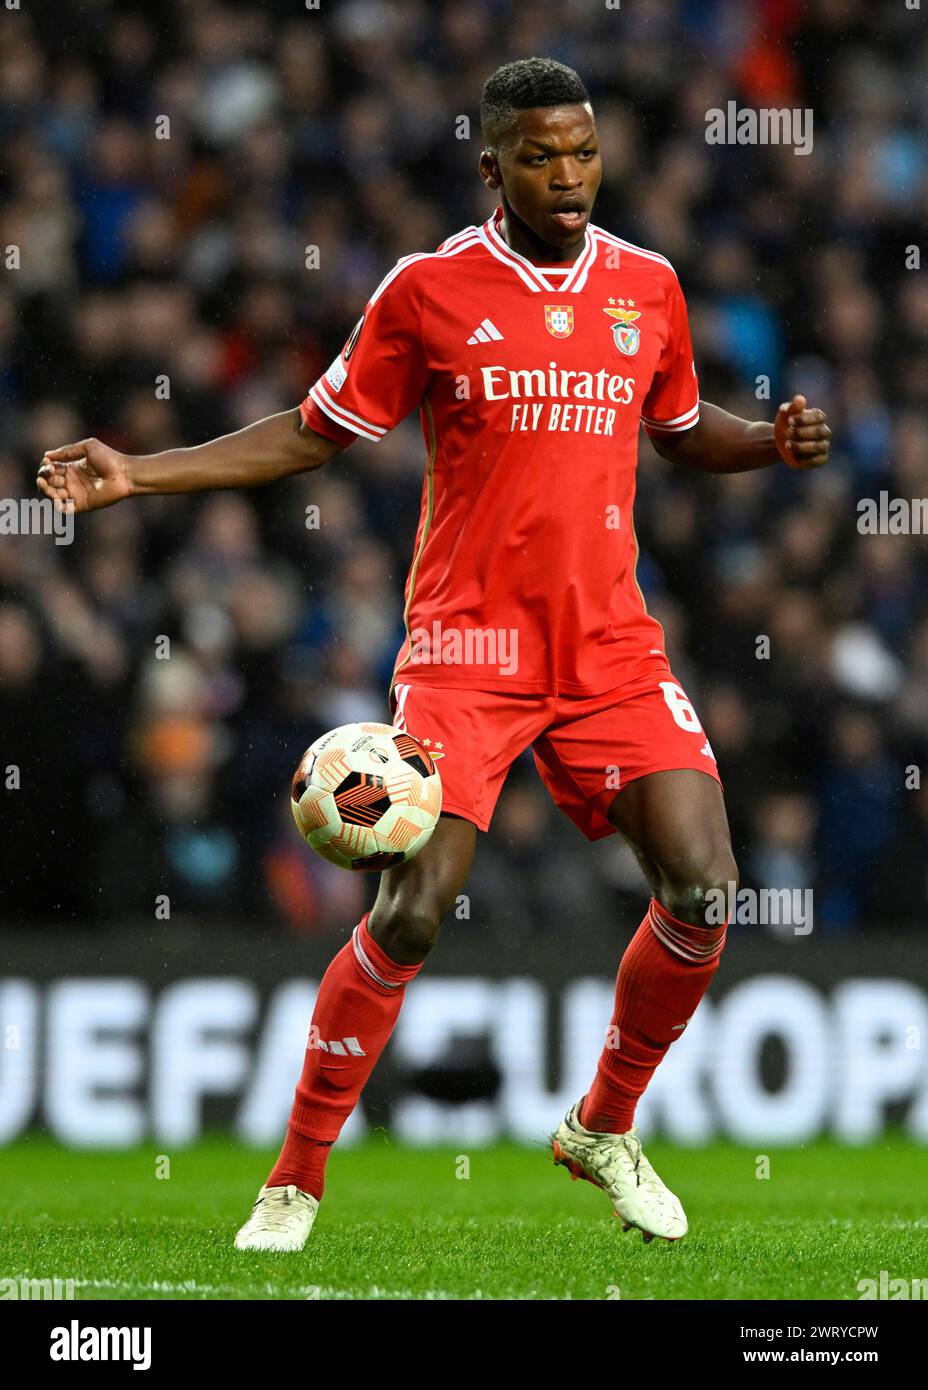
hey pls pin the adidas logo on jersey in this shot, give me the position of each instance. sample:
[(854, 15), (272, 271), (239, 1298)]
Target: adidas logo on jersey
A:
[(486, 332)]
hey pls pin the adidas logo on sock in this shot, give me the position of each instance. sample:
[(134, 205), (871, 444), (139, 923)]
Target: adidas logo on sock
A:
[(341, 1047), (487, 332)]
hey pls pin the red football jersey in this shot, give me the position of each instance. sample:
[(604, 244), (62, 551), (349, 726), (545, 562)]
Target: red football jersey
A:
[(531, 382)]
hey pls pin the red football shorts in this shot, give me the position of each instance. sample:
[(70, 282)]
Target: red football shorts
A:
[(586, 748)]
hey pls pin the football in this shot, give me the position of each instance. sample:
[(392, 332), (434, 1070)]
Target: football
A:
[(366, 796)]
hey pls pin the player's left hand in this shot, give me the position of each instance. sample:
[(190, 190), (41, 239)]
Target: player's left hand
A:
[(801, 435)]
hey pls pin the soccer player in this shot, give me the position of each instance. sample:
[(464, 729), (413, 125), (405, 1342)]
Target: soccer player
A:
[(533, 346)]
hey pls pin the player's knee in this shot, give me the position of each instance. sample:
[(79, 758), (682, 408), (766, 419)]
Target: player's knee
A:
[(704, 882), (406, 932)]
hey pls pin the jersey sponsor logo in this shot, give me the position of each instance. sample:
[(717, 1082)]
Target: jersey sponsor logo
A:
[(507, 383), (559, 320), (625, 332)]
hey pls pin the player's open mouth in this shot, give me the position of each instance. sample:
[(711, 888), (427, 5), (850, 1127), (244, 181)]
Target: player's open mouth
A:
[(571, 219)]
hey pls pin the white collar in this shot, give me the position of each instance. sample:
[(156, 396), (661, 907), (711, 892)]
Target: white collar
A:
[(530, 274)]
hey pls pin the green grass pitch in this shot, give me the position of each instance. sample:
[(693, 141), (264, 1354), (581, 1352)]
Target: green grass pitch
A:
[(400, 1223)]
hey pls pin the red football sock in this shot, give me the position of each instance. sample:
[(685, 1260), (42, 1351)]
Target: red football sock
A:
[(356, 1010), (665, 971)]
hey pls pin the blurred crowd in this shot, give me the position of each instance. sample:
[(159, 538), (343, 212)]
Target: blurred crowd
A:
[(160, 677)]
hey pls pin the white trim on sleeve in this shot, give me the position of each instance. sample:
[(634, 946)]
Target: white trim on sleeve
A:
[(344, 417), (678, 423)]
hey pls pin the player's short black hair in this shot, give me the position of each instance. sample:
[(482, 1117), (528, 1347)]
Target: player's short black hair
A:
[(517, 86)]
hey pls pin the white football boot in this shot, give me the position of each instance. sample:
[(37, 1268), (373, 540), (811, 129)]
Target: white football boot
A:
[(281, 1219), (616, 1163)]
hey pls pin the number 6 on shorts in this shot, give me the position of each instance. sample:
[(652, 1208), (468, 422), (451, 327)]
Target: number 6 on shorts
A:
[(680, 707)]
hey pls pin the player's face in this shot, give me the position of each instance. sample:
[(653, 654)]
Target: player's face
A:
[(549, 170)]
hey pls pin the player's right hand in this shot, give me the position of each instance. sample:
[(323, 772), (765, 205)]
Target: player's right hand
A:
[(89, 474)]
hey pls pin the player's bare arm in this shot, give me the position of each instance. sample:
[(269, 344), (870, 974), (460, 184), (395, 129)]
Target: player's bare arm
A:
[(724, 443), (92, 475)]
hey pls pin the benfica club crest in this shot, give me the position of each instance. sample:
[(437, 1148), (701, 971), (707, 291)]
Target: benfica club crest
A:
[(559, 320), (625, 333)]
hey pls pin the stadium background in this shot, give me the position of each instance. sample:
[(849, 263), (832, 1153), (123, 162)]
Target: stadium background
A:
[(185, 257)]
